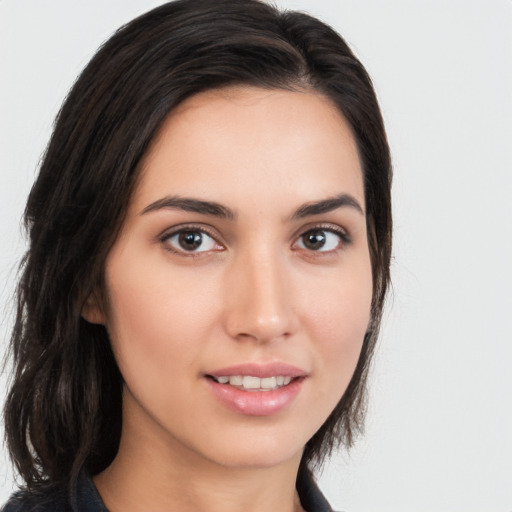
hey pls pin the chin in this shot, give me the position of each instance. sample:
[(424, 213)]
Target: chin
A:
[(257, 459), (256, 451)]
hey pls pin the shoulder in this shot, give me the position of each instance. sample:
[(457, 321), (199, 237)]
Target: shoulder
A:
[(311, 498), (83, 498), (44, 501)]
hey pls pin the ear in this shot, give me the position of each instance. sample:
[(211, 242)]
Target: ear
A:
[(92, 311)]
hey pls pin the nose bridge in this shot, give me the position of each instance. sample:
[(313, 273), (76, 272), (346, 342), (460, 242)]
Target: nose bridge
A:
[(260, 306)]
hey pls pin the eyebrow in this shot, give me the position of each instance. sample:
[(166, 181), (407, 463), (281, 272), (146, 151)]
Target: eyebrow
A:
[(191, 205), (218, 210), (328, 205)]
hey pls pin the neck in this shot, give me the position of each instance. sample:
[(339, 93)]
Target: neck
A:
[(226, 491), (141, 485), (158, 474)]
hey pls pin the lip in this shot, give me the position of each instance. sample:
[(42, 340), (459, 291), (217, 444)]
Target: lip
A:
[(260, 370), (257, 403)]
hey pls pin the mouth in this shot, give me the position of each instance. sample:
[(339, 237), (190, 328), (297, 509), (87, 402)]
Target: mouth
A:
[(257, 389), (252, 383)]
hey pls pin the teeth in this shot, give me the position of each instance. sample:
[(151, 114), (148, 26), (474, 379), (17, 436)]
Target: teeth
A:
[(250, 383), (236, 380), (268, 383)]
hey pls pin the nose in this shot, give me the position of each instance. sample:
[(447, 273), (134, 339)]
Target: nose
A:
[(259, 302)]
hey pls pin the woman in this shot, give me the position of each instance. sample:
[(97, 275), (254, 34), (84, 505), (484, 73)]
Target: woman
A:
[(210, 236)]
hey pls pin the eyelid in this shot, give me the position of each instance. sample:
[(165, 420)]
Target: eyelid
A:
[(326, 226), (174, 230), (343, 233)]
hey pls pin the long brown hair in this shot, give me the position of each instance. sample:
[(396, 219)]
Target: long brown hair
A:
[(63, 410)]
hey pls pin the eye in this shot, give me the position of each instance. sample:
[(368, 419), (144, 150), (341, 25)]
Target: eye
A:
[(321, 240), (190, 241)]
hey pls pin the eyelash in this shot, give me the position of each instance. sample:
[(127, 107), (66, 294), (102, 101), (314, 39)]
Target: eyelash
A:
[(342, 234), (192, 228), (344, 239)]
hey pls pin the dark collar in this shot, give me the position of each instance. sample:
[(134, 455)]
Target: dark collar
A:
[(86, 498), (311, 498)]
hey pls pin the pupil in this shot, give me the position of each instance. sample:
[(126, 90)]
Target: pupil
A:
[(190, 240), (314, 240)]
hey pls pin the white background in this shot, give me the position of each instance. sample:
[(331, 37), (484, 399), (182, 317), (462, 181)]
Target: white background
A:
[(439, 434)]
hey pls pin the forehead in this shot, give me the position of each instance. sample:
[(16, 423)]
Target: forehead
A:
[(247, 141)]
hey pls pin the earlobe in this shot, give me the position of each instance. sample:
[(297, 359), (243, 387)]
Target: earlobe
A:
[(92, 311)]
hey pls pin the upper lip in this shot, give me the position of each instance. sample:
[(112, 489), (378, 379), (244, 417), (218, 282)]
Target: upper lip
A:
[(261, 370)]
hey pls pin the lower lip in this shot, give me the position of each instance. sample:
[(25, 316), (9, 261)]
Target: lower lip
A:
[(256, 403)]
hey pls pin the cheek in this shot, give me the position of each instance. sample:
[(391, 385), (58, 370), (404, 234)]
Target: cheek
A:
[(159, 320), (146, 317), (150, 332), (339, 316)]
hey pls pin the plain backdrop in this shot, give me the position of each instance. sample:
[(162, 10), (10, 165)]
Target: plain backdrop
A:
[(439, 435)]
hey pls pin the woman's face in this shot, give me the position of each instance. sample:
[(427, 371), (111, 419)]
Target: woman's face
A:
[(240, 286)]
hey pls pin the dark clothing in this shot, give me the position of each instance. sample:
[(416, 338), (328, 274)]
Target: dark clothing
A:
[(85, 498), (311, 499)]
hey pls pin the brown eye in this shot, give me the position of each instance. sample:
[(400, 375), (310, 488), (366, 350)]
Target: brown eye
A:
[(320, 240), (314, 240), (190, 241)]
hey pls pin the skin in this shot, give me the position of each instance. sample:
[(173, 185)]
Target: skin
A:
[(253, 292)]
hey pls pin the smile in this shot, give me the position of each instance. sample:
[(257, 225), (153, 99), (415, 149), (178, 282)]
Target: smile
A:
[(257, 389), (252, 383)]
